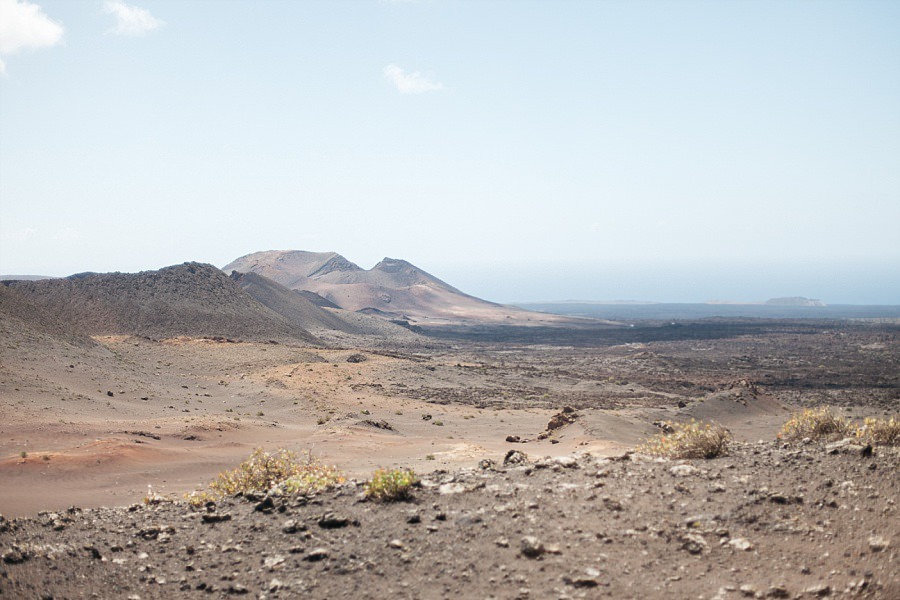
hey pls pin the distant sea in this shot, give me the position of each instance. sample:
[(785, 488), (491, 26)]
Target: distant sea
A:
[(685, 311)]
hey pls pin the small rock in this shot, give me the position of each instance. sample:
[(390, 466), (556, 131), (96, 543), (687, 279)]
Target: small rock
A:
[(741, 544), (15, 556), (446, 489), (275, 585), (396, 544), (502, 542), (237, 588), (748, 590), (778, 591), (289, 526), (566, 461), (487, 464), (333, 521), (532, 547), (316, 554), (683, 470), (878, 543), (513, 439), (215, 517), (819, 591), (514, 457), (693, 543), (267, 505)]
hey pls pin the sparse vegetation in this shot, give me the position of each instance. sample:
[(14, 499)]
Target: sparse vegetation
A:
[(264, 470), (153, 498), (695, 439), (880, 431), (817, 424), (23, 454), (391, 484)]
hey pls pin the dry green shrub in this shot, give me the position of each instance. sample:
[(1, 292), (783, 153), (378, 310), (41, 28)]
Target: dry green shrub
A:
[(880, 431), (816, 424), (391, 484), (265, 470), (688, 440)]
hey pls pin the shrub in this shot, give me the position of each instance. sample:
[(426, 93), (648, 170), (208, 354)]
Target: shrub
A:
[(688, 440), (815, 424), (393, 484), (880, 431), (264, 470)]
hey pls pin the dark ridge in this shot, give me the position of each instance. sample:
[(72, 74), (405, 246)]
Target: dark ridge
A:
[(191, 299)]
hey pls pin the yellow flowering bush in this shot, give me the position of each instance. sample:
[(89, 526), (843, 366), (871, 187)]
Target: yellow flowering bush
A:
[(688, 440), (880, 431), (391, 484), (816, 424), (264, 470)]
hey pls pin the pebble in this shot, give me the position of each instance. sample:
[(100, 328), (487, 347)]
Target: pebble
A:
[(447, 489), (878, 543), (683, 470), (316, 554), (532, 547), (741, 544)]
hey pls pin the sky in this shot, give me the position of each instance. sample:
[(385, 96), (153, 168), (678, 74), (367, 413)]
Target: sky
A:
[(675, 151)]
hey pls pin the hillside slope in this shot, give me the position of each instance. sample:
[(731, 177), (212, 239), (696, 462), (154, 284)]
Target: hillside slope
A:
[(192, 299), (310, 310)]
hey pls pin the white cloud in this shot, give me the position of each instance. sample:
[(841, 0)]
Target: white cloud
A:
[(411, 83), (131, 20), (24, 25)]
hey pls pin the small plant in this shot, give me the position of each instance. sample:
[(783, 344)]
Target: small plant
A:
[(815, 424), (23, 454), (153, 498), (880, 431), (688, 440), (260, 413), (46, 458), (429, 457), (438, 423), (391, 484), (264, 470)]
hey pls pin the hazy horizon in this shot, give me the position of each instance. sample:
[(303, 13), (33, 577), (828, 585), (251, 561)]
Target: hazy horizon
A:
[(741, 282), (664, 151)]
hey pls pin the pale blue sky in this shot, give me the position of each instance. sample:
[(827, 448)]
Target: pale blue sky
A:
[(599, 150)]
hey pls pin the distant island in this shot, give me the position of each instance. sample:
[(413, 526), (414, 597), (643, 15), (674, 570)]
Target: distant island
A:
[(794, 301)]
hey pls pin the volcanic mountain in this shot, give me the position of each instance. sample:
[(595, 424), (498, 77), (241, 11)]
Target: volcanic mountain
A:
[(192, 299), (393, 287), (313, 312)]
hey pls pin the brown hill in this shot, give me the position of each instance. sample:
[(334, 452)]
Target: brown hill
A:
[(192, 299), (393, 287), (310, 310), (21, 320)]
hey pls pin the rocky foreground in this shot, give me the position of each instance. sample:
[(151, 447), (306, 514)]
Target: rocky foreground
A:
[(767, 522)]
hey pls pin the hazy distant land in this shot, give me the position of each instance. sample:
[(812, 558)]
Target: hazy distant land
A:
[(669, 310)]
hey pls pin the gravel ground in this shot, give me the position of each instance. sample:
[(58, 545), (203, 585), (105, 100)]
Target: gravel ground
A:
[(767, 521)]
